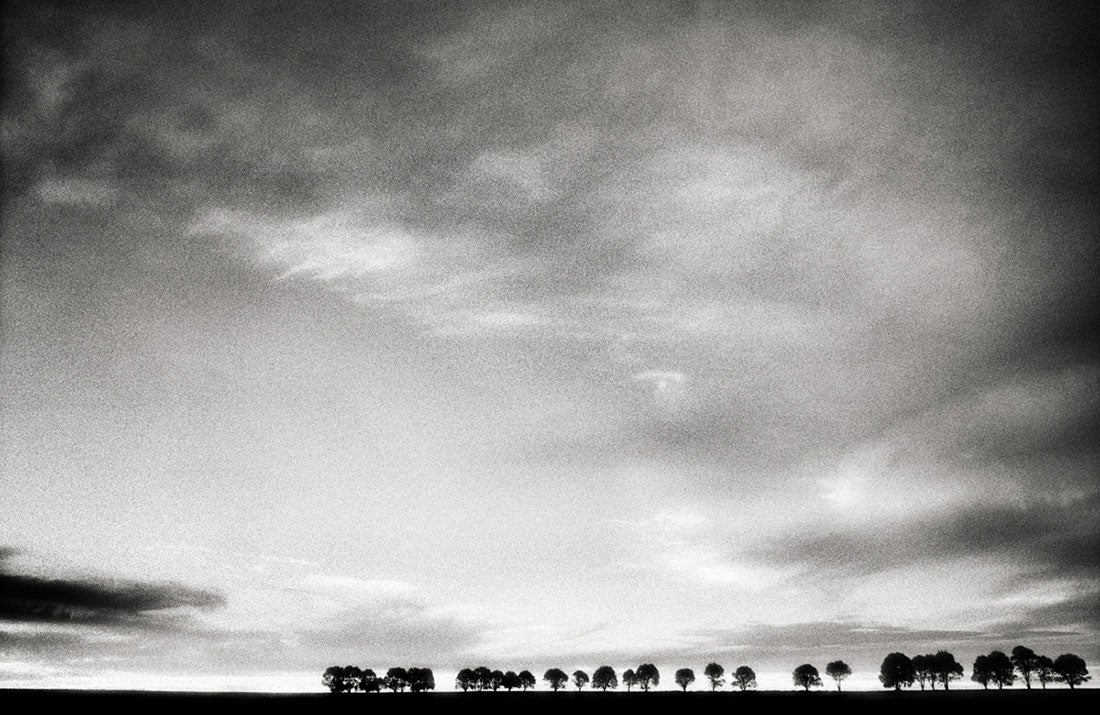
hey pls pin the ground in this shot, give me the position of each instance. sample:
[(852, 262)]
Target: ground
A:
[(571, 703)]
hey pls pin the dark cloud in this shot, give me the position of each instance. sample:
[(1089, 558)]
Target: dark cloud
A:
[(26, 598), (1046, 539)]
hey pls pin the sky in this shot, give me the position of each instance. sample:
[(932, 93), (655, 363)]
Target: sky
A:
[(544, 335)]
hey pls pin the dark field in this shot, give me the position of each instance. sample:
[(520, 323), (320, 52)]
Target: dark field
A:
[(566, 703)]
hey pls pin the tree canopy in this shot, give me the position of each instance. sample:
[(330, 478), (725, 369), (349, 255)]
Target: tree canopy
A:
[(896, 671), (605, 678), (806, 676), (580, 679), (946, 668), (1070, 669), (556, 678), (1001, 670), (838, 670), (1024, 661), (648, 676), (684, 677), (714, 674), (745, 677)]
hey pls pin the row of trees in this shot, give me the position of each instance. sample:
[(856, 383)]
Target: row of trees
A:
[(604, 678), (897, 671), (349, 678), (1025, 664)]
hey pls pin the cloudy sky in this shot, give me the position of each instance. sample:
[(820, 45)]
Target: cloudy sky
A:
[(544, 335)]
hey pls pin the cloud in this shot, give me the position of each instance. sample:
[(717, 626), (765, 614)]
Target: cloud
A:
[(25, 598), (1045, 539)]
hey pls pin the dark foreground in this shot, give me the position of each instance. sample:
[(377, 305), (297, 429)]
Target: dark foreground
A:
[(565, 703)]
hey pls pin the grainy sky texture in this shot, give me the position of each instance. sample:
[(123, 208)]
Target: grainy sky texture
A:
[(537, 335)]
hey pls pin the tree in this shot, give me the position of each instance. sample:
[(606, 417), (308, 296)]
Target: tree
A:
[(806, 676), (1024, 661), (1044, 670), (1070, 669), (369, 682), (496, 679), (466, 679), (605, 678), (1001, 671), (483, 677), (946, 668), (526, 679), (556, 677), (896, 671), (983, 672), (511, 681), (684, 677), (580, 679), (744, 677), (714, 673), (648, 676), (421, 679), (838, 670), (629, 679), (338, 679), (923, 671), (397, 679)]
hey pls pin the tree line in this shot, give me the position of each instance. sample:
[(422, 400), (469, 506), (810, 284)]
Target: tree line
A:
[(897, 671)]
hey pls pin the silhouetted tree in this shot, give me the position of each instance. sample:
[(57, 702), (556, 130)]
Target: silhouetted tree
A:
[(838, 670), (1024, 661), (1070, 669), (982, 671), (341, 679), (1001, 671), (946, 668), (715, 673), (896, 671), (923, 670), (806, 676), (496, 679), (397, 679), (526, 679), (605, 678), (421, 679), (580, 679), (466, 679), (369, 682), (684, 677), (556, 677), (744, 677), (483, 677), (648, 676), (629, 679), (1044, 670), (511, 681)]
